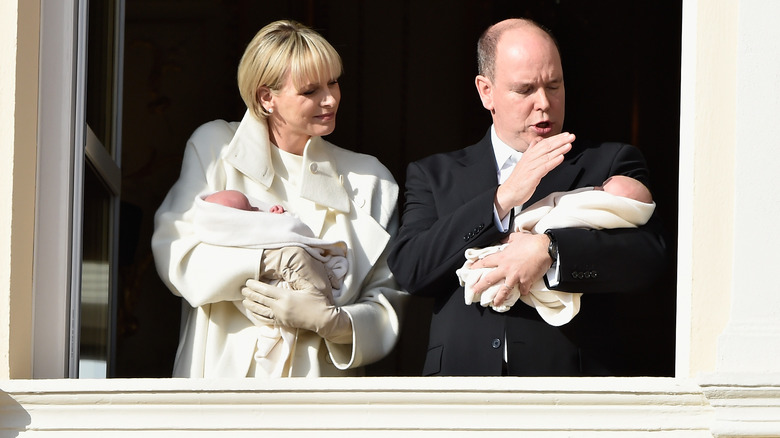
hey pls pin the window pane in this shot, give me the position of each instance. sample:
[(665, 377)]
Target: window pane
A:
[(100, 71), (95, 279)]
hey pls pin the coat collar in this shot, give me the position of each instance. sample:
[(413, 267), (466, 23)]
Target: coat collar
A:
[(249, 152)]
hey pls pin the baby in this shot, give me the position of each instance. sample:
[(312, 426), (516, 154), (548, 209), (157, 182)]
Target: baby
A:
[(253, 224), (620, 202), (236, 199), (626, 187)]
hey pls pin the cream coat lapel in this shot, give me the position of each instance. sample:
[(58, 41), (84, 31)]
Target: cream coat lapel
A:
[(320, 181), (248, 151)]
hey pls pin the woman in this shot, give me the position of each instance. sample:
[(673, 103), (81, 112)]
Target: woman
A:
[(288, 78)]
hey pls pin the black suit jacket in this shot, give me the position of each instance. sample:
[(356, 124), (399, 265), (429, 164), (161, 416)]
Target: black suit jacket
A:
[(449, 208)]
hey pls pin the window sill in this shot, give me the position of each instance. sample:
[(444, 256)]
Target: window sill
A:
[(543, 406)]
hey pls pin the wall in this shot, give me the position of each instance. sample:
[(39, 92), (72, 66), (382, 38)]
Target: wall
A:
[(18, 123), (727, 192)]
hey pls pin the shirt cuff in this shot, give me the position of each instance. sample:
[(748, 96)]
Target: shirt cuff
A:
[(553, 275), (501, 224)]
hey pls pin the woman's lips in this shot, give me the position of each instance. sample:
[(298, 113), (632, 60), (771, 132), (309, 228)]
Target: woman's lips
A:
[(326, 117)]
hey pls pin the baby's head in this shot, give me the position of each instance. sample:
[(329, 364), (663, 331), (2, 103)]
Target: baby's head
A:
[(231, 198), (627, 187)]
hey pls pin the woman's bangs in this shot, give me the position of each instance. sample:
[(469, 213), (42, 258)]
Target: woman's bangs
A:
[(315, 66)]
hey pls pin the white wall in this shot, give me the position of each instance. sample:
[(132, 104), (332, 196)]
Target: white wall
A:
[(18, 125), (705, 230), (751, 342)]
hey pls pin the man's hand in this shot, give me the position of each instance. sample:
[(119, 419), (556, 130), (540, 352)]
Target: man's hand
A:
[(542, 156), (521, 263)]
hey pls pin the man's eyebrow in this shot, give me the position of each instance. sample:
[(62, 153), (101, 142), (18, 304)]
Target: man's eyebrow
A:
[(522, 84)]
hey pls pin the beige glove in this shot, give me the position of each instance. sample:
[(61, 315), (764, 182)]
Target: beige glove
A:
[(293, 264), (307, 307)]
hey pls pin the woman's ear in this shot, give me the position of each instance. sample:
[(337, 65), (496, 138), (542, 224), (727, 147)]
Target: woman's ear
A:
[(265, 98)]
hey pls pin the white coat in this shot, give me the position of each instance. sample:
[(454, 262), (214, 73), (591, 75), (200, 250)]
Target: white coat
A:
[(358, 193)]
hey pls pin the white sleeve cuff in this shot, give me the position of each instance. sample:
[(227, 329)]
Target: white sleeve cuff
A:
[(501, 224), (553, 274)]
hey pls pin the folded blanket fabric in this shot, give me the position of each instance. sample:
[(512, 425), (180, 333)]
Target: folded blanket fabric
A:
[(219, 225), (581, 208)]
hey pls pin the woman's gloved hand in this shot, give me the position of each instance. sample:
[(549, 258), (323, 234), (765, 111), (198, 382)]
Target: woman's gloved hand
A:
[(306, 307), (294, 264)]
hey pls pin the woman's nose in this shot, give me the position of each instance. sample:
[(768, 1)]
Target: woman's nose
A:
[(329, 99)]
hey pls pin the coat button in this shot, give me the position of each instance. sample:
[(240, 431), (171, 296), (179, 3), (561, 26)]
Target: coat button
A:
[(313, 167), (496, 343)]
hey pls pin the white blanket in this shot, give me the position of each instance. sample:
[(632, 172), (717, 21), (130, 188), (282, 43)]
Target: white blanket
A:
[(220, 225), (581, 208)]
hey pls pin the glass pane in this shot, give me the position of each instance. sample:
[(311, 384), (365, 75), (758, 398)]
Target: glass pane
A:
[(100, 71), (95, 279)]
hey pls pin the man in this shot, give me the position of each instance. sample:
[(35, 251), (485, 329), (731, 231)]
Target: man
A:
[(466, 198)]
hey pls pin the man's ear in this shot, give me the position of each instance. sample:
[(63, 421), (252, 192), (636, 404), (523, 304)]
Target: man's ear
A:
[(264, 97), (485, 90)]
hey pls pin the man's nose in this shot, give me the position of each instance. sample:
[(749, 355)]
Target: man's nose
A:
[(542, 100)]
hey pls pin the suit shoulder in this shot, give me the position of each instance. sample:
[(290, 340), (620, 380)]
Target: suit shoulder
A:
[(614, 158), (607, 148), (439, 160)]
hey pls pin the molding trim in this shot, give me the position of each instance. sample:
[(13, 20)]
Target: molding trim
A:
[(351, 406), (746, 405)]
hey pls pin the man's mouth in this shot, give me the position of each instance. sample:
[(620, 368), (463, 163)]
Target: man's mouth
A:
[(543, 128)]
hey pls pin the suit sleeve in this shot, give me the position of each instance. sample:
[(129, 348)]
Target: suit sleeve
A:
[(435, 234), (614, 260)]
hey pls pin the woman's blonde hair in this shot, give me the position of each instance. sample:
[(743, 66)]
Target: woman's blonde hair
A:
[(281, 48)]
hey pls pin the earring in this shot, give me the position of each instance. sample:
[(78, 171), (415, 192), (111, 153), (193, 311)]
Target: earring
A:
[(270, 110)]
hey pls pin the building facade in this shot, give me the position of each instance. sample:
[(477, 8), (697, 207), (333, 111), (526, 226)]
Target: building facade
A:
[(726, 380)]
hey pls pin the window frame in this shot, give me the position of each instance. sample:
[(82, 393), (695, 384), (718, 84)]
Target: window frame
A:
[(65, 143), (61, 115)]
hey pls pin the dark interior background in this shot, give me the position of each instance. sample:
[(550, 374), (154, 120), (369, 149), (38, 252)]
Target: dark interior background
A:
[(407, 92)]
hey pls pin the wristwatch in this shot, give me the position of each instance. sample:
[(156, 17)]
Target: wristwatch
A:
[(552, 248)]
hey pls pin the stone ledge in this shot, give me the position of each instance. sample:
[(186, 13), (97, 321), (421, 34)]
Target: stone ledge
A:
[(745, 405), (547, 407)]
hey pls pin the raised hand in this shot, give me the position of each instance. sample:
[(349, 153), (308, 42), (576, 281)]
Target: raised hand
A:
[(542, 156)]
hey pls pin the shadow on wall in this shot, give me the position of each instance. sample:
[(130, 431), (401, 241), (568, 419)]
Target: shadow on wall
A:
[(15, 418)]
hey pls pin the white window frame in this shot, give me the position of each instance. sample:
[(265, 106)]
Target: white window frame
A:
[(56, 266), (54, 225), (62, 146)]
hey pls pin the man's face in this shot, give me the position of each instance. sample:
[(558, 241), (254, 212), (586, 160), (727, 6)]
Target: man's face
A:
[(526, 96)]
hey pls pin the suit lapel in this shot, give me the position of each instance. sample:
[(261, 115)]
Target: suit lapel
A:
[(478, 170)]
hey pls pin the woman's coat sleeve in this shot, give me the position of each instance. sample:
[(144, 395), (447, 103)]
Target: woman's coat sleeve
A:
[(201, 273)]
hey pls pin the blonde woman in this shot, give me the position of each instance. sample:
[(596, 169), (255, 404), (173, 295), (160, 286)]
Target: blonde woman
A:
[(288, 78)]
